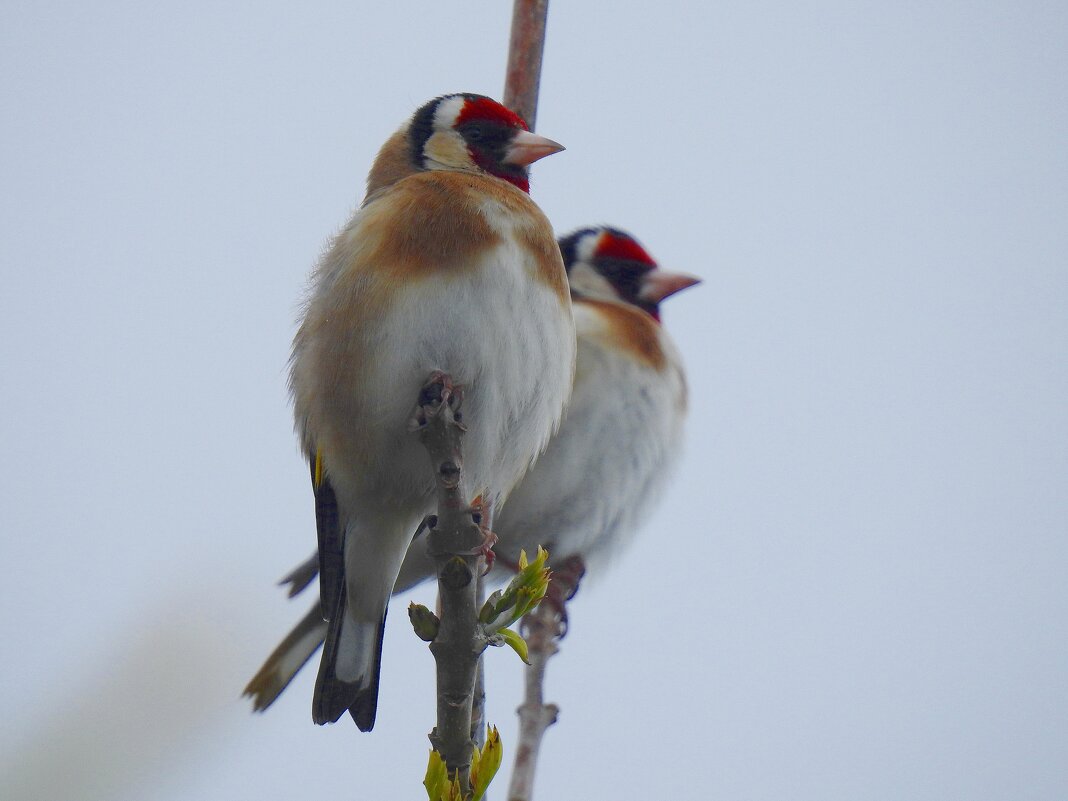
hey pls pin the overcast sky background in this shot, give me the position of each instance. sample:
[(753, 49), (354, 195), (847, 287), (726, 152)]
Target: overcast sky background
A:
[(857, 586)]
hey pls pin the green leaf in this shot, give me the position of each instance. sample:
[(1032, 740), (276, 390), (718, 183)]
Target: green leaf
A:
[(424, 622), (489, 609), (523, 593), (437, 777), (484, 765), (515, 640), (437, 783)]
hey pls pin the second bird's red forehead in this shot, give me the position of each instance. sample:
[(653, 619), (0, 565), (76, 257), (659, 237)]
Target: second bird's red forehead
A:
[(483, 108), (613, 246)]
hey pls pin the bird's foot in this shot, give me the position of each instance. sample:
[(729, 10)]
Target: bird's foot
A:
[(563, 585), (435, 396), (481, 515), (486, 549)]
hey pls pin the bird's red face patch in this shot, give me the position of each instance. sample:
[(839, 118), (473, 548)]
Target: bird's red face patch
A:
[(485, 109), (488, 128), (617, 247)]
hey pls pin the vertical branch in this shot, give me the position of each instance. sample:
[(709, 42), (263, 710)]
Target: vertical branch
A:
[(543, 625), (478, 700), (456, 542), (543, 629), (525, 48), (535, 716)]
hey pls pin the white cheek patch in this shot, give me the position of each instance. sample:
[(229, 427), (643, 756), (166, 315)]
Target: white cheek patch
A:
[(446, 150), (589, 283)]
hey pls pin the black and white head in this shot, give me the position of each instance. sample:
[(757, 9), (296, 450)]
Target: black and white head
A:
[(605, 263), (473, 133)]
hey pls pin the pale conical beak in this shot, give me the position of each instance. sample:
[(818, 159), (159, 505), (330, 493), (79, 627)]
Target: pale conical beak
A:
[(526, 148), (658, 285)]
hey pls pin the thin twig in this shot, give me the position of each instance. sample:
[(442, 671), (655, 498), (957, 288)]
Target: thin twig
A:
[(456, 542), (544, 624), (525, 48), (478, 700), (535, 716), (478, 703), (543, 628)]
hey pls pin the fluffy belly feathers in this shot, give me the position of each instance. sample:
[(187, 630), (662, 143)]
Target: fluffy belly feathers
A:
[(507, 340)]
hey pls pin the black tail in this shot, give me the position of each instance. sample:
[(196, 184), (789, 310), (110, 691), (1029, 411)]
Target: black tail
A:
[(333, 695)]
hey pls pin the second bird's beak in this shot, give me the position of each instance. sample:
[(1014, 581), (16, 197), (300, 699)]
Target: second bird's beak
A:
[(527, 147), (658, 285)]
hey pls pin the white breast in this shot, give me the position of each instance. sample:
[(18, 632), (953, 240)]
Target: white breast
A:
[(502, 335), (601, 475)]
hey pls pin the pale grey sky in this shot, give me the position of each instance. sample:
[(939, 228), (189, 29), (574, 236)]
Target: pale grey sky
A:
[(855, 588)]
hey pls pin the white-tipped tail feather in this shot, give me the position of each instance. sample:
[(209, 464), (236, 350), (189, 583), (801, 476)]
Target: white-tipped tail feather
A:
[(349, 669)]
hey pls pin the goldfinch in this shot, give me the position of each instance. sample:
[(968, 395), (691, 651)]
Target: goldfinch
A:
[(606, 469), (449, 266)]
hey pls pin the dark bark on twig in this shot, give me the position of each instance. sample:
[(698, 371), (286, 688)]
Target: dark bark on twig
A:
[(456, 542), (525, 48)]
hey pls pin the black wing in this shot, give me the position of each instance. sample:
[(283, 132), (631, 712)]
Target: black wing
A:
[(331, 539)]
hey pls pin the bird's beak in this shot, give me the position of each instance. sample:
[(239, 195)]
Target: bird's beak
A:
[(658, 285), (526, 148)]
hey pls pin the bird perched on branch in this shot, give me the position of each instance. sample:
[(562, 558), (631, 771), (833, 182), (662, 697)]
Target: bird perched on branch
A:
[(604, 470), (448, 266)]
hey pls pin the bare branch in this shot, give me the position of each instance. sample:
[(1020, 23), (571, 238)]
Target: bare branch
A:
[(457, 543), (522, 81), (525, 48), (478, 701), (535, 716), (543, 628)]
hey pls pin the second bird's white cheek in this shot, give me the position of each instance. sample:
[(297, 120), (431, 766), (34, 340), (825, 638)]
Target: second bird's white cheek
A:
[(589, 283)]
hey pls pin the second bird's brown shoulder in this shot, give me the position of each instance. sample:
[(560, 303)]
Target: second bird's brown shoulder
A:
[(629, 329)]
